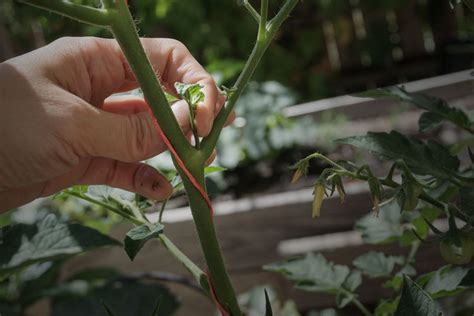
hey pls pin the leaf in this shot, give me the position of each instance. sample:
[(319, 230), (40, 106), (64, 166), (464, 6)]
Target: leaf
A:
[(382, 229), (377, 264), (107, 310), (438, 109), (446, 281), (353, 281), (429, 158), (469, 4), (191, 93), (125, 298), (313, 273), (268, 306), (138, 236), (386, 307), (8, 309), (429, 121), (23, 244), (254, 302), (325, 312), (414, 301), (466, 194), (213, 169), (157, 307)]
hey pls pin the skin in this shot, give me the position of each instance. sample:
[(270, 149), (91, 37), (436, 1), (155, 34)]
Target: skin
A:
[(59, 125)]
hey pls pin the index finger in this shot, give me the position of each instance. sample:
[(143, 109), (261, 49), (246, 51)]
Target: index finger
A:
[(174, 63)]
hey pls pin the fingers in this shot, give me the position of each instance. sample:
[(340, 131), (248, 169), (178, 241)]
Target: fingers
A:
[(102, 70), (124, 130), (134, 177)]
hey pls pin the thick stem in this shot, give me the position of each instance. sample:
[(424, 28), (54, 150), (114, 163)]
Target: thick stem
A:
[(210, 245), (126, 34), (74, 11)]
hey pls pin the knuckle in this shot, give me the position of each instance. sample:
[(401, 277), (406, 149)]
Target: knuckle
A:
[(111, 173), (140, 138)]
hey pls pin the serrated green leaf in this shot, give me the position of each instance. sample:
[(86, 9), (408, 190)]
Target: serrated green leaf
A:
[(107, 310), (384, 228), (125, 298), (192, 93), (414, 301), (353, 281), (312, 273), (469, 4), (429, 158), (324, 312), (213, 169), (438, 109), (138, 236), (377, 264), (268, 305), (8, 309), (446, 281), (466, 195), (22, 245), (157, 307), (386, 308)]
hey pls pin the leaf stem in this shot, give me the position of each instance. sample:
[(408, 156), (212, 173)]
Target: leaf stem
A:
[(386, 182), (74, 11), (361, 307), (251, 10), (109, 207), (195, 271), (162, 210)]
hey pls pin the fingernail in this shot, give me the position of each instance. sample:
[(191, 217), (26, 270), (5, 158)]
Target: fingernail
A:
[(151, 183)]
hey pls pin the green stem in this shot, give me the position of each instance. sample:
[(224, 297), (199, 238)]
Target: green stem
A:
[(209, 143), (118, 211), (361, 307), (386, 182), (251, 10), (262, 26), (210, 245), (74, 11), (126, 34), (162, 210), (195, 271)]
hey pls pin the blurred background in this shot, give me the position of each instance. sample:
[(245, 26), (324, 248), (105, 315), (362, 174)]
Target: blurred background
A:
[(297, 104)]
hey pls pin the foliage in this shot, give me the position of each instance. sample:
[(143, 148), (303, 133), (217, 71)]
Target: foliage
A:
[(426, 183), (33, 250)]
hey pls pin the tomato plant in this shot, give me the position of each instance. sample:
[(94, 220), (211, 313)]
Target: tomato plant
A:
[(418, 170)]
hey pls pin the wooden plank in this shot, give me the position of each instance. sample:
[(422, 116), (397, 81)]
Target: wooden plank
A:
[(450, 87)]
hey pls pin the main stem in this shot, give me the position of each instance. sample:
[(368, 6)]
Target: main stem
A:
[(210, 245), (123, 28)]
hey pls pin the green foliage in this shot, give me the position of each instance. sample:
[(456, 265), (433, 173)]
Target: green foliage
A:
[(414, 301), (433, 184), (22, 245), (429, 158), (138, 236), (315, 274), (382, 229), (255, 303), (121, 297), (377, 264), (437, 110)]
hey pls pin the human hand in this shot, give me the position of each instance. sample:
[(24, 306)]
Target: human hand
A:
[(59, 127)]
